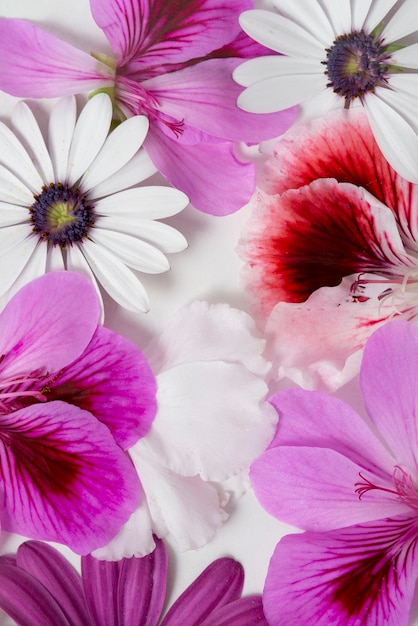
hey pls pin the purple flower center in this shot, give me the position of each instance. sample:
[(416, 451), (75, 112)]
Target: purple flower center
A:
[(61, 215), (356, 65)]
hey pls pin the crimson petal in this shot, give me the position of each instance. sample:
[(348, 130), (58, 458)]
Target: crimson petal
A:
[(63, 477)]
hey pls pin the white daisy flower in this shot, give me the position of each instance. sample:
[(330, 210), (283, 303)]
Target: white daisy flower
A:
[(69, 202), (340, 52)]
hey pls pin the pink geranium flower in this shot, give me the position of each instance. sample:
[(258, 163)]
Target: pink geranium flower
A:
[(331, 249), (73, 397), (172, 62), (352, 486), (38, 585)]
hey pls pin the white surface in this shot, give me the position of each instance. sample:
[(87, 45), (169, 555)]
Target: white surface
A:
[(208, 269)]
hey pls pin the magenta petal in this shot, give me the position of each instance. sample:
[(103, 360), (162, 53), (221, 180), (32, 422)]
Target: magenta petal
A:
[(210, 174), (166, 31), (50, 568), (63, 477), (204, 96), (246, 611), (35, 64), (360, 575), (142, 586), (389, 383), (112, 380), (100, 582), (221, 582), (26, 600), (47, 324)]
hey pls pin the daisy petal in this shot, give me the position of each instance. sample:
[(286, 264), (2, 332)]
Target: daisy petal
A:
[(118, 280), (220, 583), (89, 136), (144, 202), (135, 253), (17, 160), (139, 168), (280, 34), (339, 15), (100, 584), (248, 611), (124, 400), (17, 248), (54, 259), (364, 574), (60, 133), (34, 268), (119, 147), (25, 123), (12, 214), (406, 57), (311, 16), (52, 569), (164, 237), (76, 262), (261, 68), (58, 459), (13, 190), (36, 64), (26, 600), (400, 24), (377, 12)]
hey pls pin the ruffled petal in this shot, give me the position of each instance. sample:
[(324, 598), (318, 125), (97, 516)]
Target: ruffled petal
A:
[(64, 477), (38, 324), (360, 575), (113, 381), (317, 343), (163, 32), (220, 189), (204, 96), (389, 383), (312, 237), (53, 570), (220, 583), (36, 64)]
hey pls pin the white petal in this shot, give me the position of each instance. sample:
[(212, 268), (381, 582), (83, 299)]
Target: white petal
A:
[(309, 15), (377, 13), (34, 267), (201, 332), (324, 101), (406, 57), (14, 156), (120, 146), (280, 34), (261, 68), (359, 11), (165, 237), (339, 14), (60, 133), (118, 280), (139, 168), (135, 253), (89, 135), (17, 246), (24, 122), (396, 137), (54, 259), (175, 500), (11, 214), (280, 92), (12, 190), (146, 202), (212, 419), (402, 23), (75, 262)]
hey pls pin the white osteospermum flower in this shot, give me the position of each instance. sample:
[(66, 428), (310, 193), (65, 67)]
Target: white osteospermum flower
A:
[(68, 202), (339, 52)]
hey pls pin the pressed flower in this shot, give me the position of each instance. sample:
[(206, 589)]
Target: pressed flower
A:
[(68, 203), (39, 586), (212, 422), (74, 396), (173, 63), (330, 248), (337, 55), (351, 485)]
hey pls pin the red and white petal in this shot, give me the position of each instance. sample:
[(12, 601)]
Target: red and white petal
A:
[(312, 237), (365, 574), (113, 381), (318, 343), (63, 477)]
